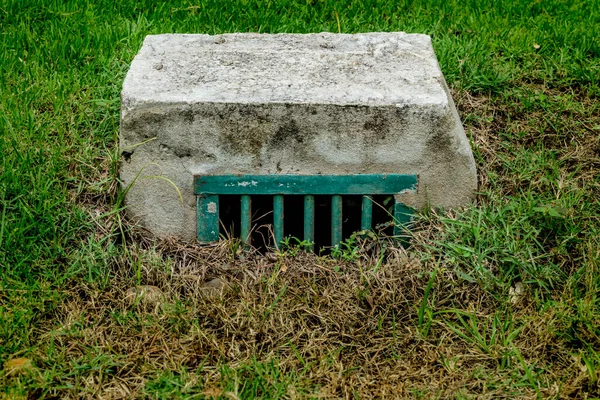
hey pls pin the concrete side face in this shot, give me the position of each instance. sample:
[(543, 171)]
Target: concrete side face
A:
[(186, 138)]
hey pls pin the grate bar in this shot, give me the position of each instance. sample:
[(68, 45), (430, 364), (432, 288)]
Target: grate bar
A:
[(402, 217), (336, 220), (278, 218), (366, 216), (309, 220), (246, 218), (207, 209)]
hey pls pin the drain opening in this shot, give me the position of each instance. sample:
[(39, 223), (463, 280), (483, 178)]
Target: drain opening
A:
[(262, 238)]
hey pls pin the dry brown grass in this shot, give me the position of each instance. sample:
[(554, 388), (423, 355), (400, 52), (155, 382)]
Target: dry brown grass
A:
[(347, 329), (352, 329), (562, 120)]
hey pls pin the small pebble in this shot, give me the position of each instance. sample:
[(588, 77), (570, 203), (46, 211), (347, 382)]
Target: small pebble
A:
[(272, 257), (516, 293), (214, 287), (144, 294)]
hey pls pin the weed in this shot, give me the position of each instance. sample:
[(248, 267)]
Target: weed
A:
[(347, 250), (425, 312)]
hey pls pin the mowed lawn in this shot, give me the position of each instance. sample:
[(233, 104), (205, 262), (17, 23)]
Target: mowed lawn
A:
[(499, 300)]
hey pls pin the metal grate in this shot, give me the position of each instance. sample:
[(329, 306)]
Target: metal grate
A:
[(209, 187)]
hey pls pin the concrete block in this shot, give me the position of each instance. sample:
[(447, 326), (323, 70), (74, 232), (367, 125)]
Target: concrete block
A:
[(286, 104)]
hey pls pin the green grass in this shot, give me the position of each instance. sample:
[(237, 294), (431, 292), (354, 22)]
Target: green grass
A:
[(526, 78)]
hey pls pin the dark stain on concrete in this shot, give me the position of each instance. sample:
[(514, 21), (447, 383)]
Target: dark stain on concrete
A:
[(378, 125), (439, 143), (286, 132), (252, 112), (188, 116)]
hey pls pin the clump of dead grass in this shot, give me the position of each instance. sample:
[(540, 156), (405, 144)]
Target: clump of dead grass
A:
[(533, 118), (389, 323), (350, 327)]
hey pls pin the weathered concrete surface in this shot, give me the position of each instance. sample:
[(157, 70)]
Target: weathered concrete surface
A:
[(291, 104)]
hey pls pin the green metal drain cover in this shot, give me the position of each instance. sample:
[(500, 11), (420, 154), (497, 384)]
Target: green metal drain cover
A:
[(209, 187)]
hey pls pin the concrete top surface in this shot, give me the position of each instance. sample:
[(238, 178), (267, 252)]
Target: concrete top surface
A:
[(377, 69)]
